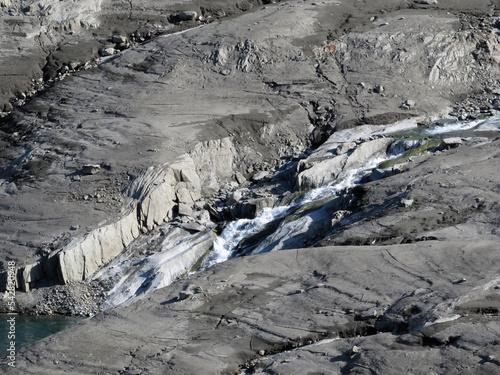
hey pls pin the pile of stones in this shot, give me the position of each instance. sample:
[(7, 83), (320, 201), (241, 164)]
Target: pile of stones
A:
[(75, 298), (478, 106)]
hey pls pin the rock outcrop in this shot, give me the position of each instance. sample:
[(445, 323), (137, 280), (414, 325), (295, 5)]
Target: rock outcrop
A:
[(264, 312), (114, 163), (328, 170), (154, 198), (347, 150)]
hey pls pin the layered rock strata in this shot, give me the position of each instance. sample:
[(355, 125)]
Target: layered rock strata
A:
[(93, 162), (269, 92), (154, 197)]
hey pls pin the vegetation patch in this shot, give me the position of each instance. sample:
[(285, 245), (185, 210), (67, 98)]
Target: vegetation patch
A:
[(425, 147)]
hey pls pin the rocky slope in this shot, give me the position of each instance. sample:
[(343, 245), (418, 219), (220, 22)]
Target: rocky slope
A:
[(155, 136), (265, 91), (257, 306)]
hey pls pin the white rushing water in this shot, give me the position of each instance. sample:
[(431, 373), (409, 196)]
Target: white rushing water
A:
[(284, 227), (490, 124), (289, 232), (293, 233)]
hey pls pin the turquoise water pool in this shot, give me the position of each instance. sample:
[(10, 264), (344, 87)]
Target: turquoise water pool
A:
[(29, 329)]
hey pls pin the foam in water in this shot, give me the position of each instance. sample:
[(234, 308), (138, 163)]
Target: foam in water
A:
[(235, 232), (238, 230), (140, 277), (491, 124)]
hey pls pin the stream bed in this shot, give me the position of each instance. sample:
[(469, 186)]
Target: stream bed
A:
[(302, 219), (282, 227), (294, 224)]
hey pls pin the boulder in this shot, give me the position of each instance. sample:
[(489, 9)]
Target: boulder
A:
[(110, 51), (91, 169), (185, 210), (451, 142), (409, 104), (118, 39), (321, 173), (240, 179), (250, 208), (259, 176), (235, 197), (187, 15)]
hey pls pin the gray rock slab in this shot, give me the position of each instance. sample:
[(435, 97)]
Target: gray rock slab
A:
[(453, 195), (286, 299), (167, 95), (145, 106)]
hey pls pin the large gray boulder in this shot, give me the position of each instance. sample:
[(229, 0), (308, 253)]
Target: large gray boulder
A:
[(321, 173)]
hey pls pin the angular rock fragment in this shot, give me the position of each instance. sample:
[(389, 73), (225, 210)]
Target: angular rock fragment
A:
[(259, 176), (187, 15), (90, 169), (185, 210), (108, 52), (118, 39), (450, 143)]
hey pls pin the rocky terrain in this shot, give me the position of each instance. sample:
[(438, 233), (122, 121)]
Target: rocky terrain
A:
[(133, 133)]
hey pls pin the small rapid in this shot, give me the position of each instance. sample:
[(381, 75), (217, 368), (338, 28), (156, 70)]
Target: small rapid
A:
[(303, 217), (228, 243), (283, 227)]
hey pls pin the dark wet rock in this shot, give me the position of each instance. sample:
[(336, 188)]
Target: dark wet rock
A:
[(400, 146), (118, 39), (249, 208), (91, 169), (187, 15)]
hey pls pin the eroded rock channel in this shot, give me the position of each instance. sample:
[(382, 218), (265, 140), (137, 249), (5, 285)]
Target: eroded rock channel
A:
[(360, 139)]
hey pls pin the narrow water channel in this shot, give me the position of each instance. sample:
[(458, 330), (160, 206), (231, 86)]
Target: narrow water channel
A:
[(275, 228), (281, 227)]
